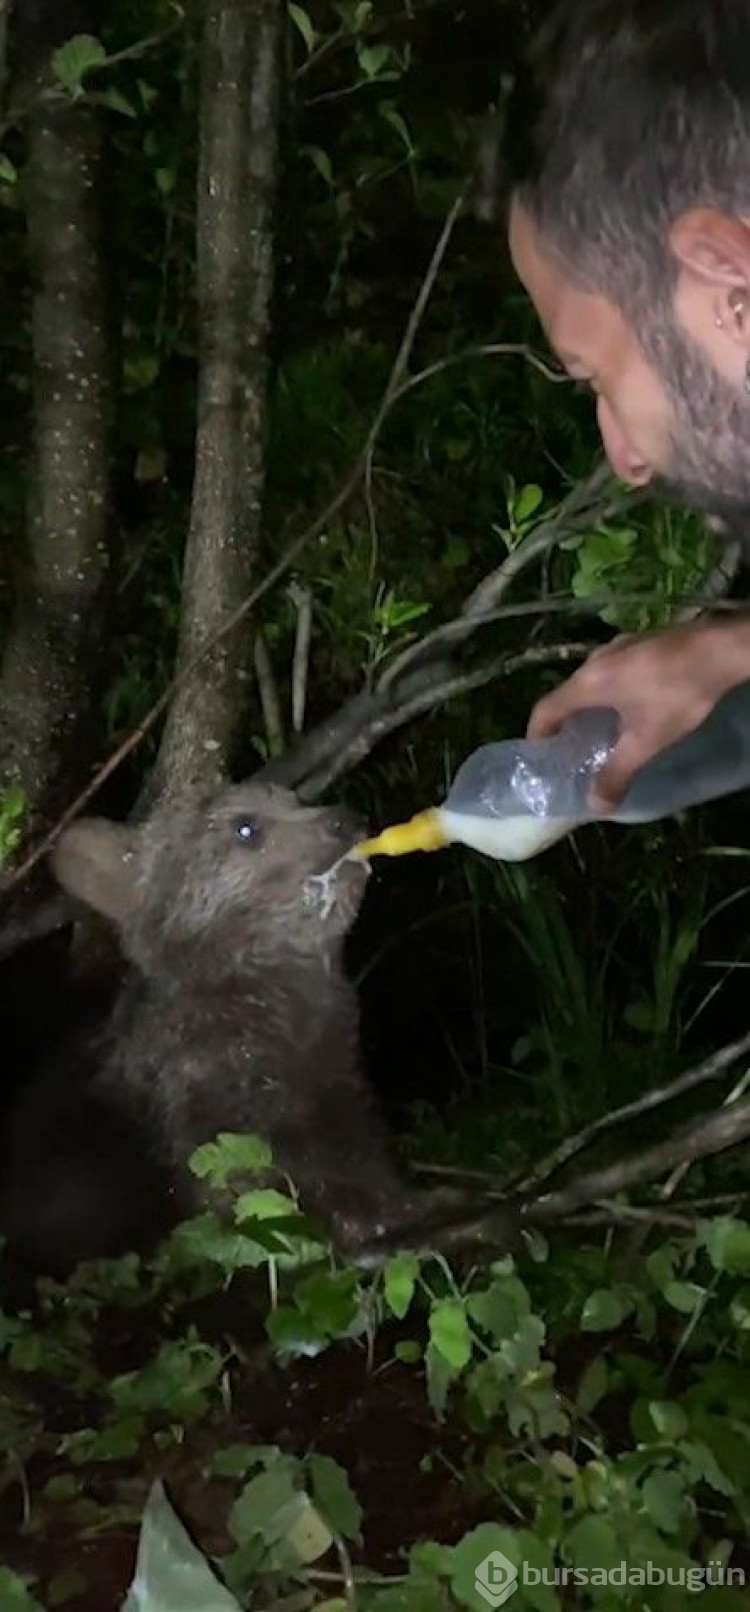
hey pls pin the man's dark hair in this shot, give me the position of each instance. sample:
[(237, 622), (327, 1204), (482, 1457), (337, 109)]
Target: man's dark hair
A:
[(625, 114)]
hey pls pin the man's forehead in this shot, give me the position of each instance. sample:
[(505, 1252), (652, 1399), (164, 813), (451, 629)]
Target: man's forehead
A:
[(577, 323)]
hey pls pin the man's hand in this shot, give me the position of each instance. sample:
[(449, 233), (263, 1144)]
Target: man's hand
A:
[(662, 684)]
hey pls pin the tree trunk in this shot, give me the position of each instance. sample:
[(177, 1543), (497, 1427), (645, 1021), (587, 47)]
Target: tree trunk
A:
[(49, 683), (240, 97)]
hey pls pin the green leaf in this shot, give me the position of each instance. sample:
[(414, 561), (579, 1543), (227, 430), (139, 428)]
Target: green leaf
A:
[(75, 58), (593, 1544), (171, 1574), (702, 1466), (684, 1296), (263, 1203), (501, 1309), (661, 1266), (263, 1500), (739, 1310), (294, 1333), (334, 1497), (669, 1419), (440, 1375), (304, 25), (389, 115), (663, 1495), (604, 1310), (400, 1279), (527, 503), (330, 1299), (536, 1409), (322, 162), (727, 1243), (116, 102), (450, 1334), (8, 172), (120, 1439), (491, 1555), (236, 1460), (592, 1386), (409, 1351), (373, 58), (435, 1560), (230, 1155), (207, 1239), (15, 1595), (304, 1535)]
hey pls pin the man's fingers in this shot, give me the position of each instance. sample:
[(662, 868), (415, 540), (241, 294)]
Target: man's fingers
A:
[(549, 713), (614, 780)]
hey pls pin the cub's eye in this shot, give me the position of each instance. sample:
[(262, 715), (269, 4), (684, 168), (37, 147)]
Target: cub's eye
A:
[(246, 830)]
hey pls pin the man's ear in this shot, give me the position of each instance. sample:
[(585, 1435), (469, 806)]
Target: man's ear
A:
[(713, 246), (95, 861)]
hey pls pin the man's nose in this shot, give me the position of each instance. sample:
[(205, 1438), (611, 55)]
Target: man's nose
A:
[(627, 465)]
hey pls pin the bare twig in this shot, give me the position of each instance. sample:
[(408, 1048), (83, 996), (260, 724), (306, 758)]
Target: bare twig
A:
[(711, 1133), (488, 349), (587, 501), (269, 696), (626, 1214), (301, 598), (713, 1068), (423, 694)]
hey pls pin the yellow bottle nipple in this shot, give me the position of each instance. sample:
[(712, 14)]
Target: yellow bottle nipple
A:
[(425, 832)]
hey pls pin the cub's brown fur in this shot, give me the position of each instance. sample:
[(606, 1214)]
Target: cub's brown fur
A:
[(237, 1016)]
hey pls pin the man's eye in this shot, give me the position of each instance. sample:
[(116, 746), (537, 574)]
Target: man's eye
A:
[(246, 830)]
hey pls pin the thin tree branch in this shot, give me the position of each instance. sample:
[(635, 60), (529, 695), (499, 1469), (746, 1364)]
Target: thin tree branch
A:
[(422, 694), (712, 1133), (301, 598), (712, 1068), (269, 696), (590, 500)]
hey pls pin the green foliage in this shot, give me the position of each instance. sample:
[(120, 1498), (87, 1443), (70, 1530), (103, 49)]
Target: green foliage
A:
[(582, 1464), (76, 58), (12, 810), (15, 1593), (644, 569)]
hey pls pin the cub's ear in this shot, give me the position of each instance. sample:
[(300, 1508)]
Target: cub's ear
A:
[(95, 861)]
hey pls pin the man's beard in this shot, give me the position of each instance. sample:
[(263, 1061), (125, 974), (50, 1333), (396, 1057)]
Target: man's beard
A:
[(709, 469)]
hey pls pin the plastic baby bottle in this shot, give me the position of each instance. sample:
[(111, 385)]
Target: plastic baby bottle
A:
[(513, 799)]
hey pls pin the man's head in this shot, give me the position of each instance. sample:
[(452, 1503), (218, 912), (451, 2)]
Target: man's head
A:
[(628, 150)]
